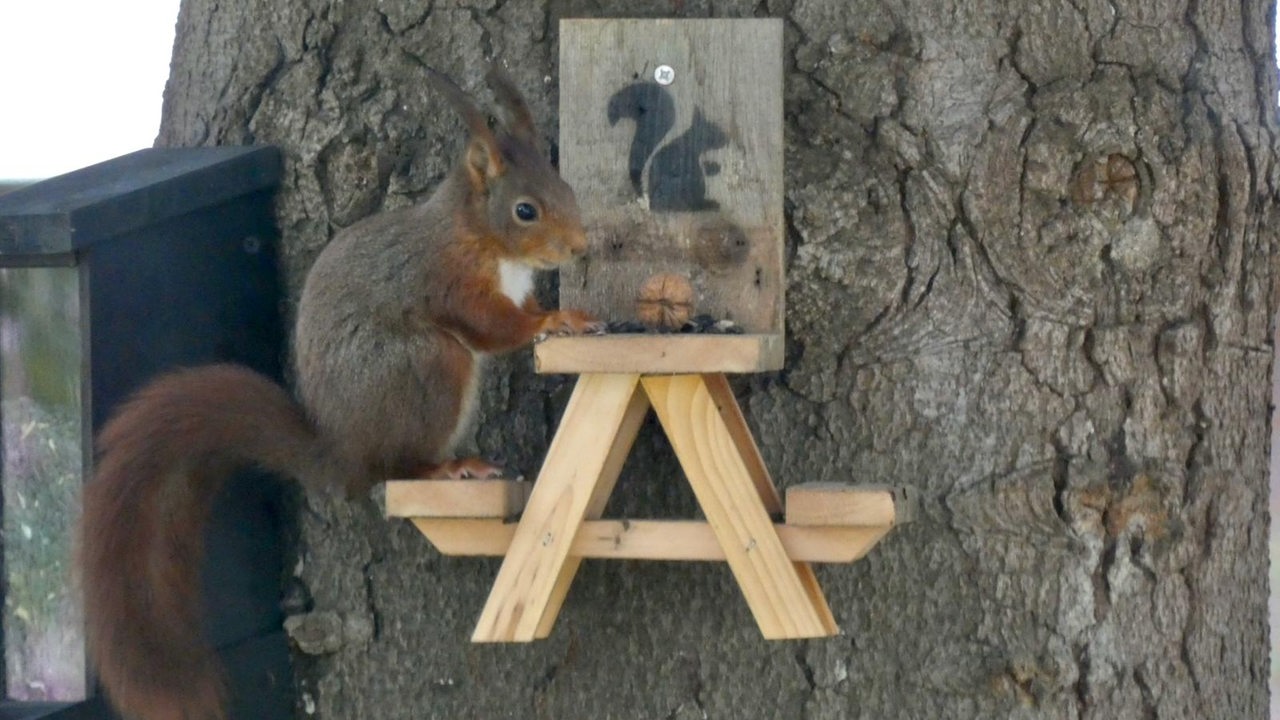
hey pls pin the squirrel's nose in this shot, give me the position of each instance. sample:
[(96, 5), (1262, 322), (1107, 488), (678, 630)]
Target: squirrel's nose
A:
[(577, 242)]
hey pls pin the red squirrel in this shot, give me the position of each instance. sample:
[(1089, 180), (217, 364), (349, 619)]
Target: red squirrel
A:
[(395, 320)]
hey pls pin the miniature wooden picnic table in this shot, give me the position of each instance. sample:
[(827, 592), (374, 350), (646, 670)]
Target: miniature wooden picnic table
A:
[(671, 135), (559, 512)]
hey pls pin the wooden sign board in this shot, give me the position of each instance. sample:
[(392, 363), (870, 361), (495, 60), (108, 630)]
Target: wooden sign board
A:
[(671, 135)]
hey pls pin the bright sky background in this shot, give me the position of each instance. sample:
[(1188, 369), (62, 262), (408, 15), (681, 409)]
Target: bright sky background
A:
[(81, 81)]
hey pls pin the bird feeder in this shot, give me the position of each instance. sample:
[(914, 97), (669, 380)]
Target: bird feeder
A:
[(109, 275)]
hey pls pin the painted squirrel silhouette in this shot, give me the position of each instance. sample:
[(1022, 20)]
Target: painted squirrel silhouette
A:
[(677, 180)]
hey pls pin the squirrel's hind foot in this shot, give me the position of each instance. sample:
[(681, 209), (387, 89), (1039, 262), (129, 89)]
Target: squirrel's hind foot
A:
[(463, 469)]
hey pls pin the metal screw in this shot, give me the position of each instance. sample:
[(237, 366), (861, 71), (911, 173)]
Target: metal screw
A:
[(664, 74)]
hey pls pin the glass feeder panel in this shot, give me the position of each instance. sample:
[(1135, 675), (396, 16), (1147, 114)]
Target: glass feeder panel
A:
[(43, 465)]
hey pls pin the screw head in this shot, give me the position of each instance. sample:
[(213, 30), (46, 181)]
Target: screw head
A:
[(664, 74)]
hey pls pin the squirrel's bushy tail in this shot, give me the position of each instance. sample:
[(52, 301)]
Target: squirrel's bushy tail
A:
[(161, 461)]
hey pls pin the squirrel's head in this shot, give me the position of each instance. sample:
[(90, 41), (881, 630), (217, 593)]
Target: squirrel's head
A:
[(517, 197)]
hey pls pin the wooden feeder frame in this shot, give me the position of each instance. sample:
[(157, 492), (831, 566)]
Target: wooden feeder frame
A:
[(543, 530), (559, 513)]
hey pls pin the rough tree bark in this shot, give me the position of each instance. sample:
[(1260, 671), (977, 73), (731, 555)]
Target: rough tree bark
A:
[(1031, 271)]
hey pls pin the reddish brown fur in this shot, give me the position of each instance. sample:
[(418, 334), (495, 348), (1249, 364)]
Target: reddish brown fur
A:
[(392, 317), (161, 460), (486, 320)]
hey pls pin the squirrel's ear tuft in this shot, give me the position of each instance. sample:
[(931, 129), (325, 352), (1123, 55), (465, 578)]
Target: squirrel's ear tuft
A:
[(519, 121), (484, 157), (484, 162)]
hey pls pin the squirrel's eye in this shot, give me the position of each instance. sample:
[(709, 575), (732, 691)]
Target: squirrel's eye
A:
[(526, 212)]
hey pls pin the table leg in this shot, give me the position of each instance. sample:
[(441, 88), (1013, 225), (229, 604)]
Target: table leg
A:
[(532, 577), (785, 600), (632, 419), (731, 415)]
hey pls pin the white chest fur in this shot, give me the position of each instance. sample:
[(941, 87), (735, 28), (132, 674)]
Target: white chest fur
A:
[(515, 280)]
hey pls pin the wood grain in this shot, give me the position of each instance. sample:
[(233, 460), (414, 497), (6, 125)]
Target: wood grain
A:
[(619, 448), (704, 199), (735, 424), (659, 354), (579, 458), (471, 498), (829, 503), (786, 603), (731, 415), (672, 540)]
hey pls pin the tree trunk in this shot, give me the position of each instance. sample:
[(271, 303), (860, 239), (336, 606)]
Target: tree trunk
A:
[(1031, 272)]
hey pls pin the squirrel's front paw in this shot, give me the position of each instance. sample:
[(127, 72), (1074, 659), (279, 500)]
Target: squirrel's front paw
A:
[(571, 322)]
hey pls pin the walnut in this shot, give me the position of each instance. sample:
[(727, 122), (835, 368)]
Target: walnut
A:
[(665, 302)]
